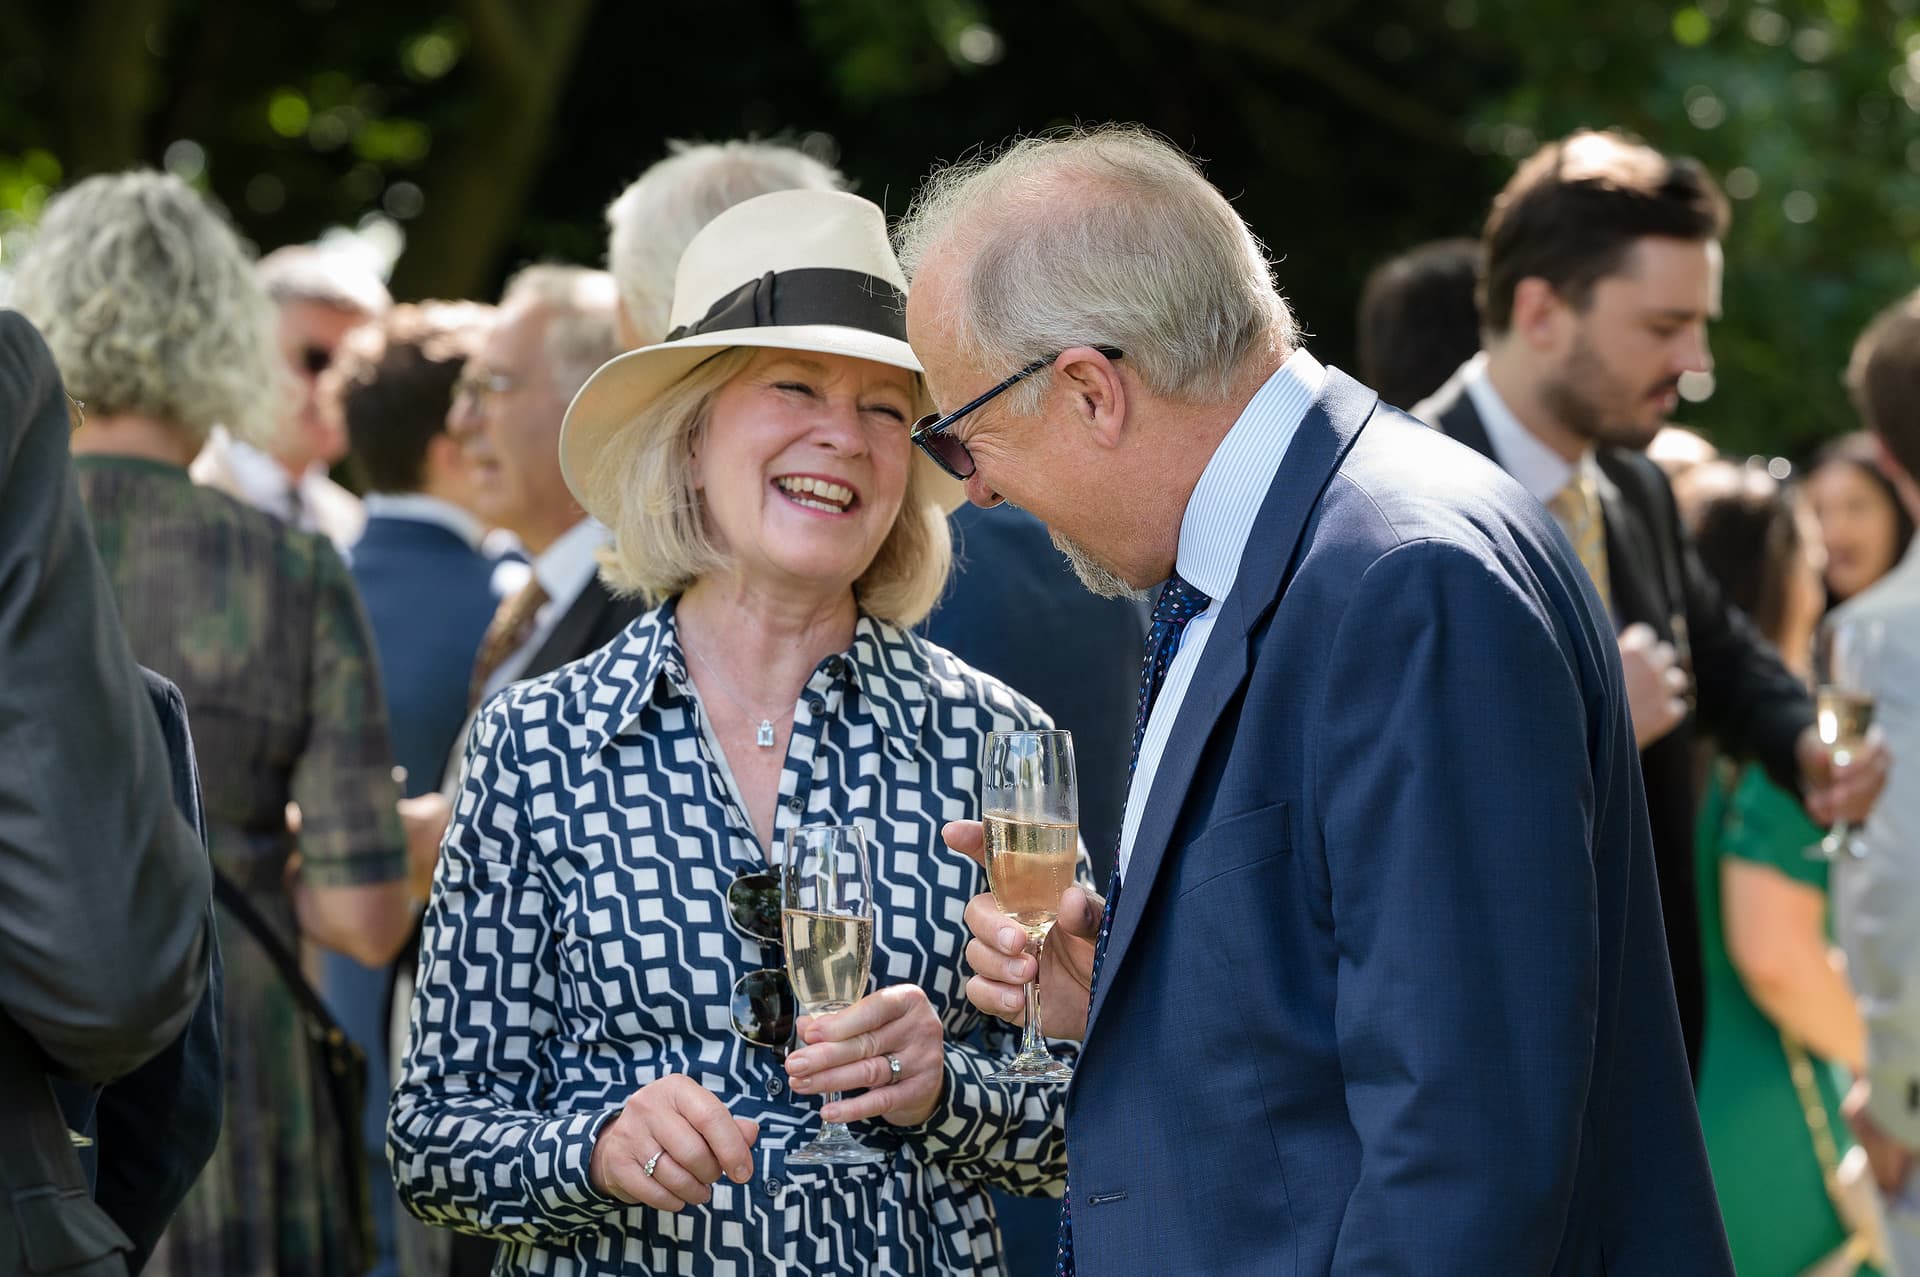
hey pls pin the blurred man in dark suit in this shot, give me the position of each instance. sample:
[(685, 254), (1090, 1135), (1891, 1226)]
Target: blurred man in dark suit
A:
[(1014, 608), (105, 949), (1600, 271)]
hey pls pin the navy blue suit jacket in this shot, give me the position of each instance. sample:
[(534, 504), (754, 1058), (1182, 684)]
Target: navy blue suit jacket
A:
[(1387, 990), (429, 597)]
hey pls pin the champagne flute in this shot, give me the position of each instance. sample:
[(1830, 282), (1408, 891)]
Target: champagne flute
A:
[(1846, 658), (826, 922), (1032, 814)]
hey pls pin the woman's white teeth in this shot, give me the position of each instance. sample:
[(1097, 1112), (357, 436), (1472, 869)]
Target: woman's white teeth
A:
[(831, 497)]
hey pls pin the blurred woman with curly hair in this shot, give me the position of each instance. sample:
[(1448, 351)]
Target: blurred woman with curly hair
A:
[(161, 329)]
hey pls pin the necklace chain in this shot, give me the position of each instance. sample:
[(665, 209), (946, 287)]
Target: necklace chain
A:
[(764, 736)]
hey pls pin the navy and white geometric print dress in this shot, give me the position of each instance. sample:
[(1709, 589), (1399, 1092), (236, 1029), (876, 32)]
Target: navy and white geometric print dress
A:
[(577, 947)]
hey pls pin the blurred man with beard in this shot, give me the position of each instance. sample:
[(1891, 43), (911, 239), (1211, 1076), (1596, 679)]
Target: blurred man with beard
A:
[(1600, 270)]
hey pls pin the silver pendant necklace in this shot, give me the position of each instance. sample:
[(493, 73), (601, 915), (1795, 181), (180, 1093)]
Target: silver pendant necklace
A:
[(763, 735)]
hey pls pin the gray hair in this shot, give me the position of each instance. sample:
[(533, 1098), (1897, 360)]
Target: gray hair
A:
[(151, 306), (642, 483), (1103, 236), (657, 216), (580, 307), (303, 273)]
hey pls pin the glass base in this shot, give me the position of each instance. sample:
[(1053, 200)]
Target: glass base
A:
[(1838, 844), (1035, 1066), (836, 1148)]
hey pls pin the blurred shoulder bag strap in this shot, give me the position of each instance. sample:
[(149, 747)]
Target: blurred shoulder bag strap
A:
[(1849, 1181), (339, 1064), (51, 1224)]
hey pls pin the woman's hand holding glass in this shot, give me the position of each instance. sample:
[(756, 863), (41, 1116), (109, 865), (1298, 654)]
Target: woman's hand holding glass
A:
[(1001, 954), (856, 1049), (672, 1140)]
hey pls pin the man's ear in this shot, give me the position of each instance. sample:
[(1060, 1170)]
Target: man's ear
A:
[(1091, 380), (1539, 315)]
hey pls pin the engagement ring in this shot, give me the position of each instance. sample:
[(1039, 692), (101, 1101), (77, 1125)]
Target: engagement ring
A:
[(653, 1162), (893, 1062)]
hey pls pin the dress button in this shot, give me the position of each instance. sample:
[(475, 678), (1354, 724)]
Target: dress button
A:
[(775, 1085), (795, 805), (816, 706), (835, 667), (773, 1184)]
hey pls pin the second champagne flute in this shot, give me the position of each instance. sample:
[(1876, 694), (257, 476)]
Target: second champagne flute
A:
[(826, 920), (1032, 814), (1846, 656)]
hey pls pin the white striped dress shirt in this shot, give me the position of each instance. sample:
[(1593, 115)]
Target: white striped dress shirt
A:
[(1213, 536)]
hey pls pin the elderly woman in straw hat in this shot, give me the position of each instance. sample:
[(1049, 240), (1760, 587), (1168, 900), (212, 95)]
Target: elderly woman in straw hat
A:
[(599, 1073)]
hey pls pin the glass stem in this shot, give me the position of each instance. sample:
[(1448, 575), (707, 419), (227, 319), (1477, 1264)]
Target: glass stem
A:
[(834, 1130), (1030, 1042)]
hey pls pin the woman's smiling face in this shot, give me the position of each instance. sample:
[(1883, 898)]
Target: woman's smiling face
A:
[(802, 465)]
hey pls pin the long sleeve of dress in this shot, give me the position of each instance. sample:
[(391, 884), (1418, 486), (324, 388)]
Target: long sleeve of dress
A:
[(470, 1145)]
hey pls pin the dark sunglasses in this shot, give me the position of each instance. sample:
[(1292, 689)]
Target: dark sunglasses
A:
[(763, 1003), (934, 433)]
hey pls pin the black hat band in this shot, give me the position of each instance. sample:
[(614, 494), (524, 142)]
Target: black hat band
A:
[(811, 295)]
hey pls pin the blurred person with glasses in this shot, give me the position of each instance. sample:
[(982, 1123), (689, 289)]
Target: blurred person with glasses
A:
[(319, 296), (605, 1069)]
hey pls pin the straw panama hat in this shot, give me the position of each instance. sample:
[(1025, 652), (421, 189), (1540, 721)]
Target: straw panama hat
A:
[(794, 270)]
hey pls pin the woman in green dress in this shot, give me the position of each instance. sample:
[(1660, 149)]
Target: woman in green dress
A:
[(153, 312), (1777, 996)]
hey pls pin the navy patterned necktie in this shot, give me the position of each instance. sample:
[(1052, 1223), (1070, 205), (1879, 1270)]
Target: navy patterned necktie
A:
[(1178, 604)]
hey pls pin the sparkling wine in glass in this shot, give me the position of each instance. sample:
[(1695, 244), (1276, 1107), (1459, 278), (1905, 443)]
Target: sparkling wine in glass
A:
[(826, 926), (1032, 815), (1846, 657)]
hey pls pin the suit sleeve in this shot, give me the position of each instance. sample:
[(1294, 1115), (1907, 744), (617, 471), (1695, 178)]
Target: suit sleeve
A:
[(1748, 701), (1457, 802), (90, 843), (1877, 901), (158, 1125)]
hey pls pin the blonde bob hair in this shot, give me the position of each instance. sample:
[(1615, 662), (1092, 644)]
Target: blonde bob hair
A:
[(642, 482), (151, 306)]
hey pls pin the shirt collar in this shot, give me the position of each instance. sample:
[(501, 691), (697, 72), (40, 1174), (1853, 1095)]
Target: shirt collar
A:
[(1225, 502), (262, 480), (1537, 468), (888, 666), (564, 568), (421, 508)]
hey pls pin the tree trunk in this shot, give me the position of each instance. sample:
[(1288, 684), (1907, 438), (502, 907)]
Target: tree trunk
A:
[(477, 178), (104, 83)]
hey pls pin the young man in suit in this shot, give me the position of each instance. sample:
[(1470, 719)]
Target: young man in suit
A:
[(1379, 985), (428, 590), (106, 946), (1601, 268), (1877, 897)]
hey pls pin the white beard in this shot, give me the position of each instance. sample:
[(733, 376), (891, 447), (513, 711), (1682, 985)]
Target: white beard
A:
[(1092, 575)]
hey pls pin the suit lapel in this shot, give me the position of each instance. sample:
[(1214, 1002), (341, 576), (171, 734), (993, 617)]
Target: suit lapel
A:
[(1329, 429), (1633, 564), (572, 638)]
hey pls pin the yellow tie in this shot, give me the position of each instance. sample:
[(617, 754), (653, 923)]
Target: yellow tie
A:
[(1577, 508)]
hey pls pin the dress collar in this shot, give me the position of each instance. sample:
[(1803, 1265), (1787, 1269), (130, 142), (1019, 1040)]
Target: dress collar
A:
[(888, 667)]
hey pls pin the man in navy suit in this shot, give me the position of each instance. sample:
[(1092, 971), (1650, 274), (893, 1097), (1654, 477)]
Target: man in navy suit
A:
[(1380, 986), (429, 595)]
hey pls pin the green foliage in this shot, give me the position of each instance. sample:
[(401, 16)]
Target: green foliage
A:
[(1345, 132)]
